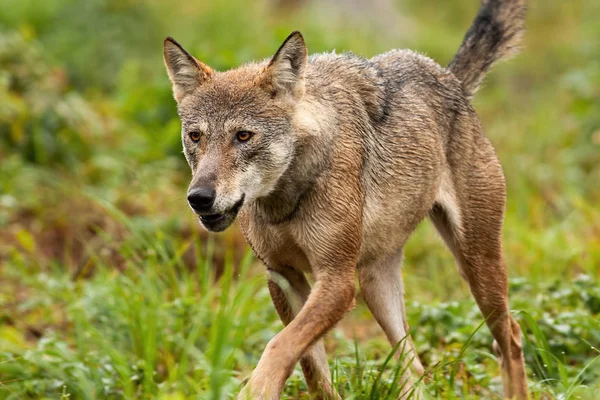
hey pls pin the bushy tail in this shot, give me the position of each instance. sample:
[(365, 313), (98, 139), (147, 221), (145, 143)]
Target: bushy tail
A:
[(495, 34)]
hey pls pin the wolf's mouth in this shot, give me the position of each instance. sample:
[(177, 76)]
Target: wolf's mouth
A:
[(219, 222), (212, 219)]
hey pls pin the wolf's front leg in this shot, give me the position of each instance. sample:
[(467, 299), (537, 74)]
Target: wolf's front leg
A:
[(289, 290), (331, 297)]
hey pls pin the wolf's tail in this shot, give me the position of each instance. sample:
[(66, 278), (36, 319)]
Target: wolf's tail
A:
[(495, 34)]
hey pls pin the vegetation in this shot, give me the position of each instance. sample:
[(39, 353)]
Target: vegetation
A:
[(108, 287)]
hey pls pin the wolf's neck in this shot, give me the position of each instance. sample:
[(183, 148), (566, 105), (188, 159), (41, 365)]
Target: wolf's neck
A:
[(284, 203), (310, 159), (294, 187)]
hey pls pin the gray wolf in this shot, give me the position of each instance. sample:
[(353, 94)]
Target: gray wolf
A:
[(330, 162)]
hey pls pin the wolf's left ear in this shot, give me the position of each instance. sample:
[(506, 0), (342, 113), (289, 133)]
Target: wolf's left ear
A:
[(185, 72), (285, 72)]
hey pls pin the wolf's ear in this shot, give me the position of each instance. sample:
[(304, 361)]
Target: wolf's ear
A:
[(185, 72), (285, 72)]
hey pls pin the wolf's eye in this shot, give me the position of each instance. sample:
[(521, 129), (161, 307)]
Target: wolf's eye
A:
[(195, 136), (243, 136)]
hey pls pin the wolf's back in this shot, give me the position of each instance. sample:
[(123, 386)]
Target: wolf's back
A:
[(494, 34)]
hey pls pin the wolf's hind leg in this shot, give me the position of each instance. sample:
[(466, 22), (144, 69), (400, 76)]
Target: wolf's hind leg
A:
[(471, 227), (289, 290), (381, 287)]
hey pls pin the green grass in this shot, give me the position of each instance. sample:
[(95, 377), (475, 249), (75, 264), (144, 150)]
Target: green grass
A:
[(110, 289), (158, 329)]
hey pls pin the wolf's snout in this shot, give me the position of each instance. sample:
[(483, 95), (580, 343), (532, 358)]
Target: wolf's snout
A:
[(201, 199)]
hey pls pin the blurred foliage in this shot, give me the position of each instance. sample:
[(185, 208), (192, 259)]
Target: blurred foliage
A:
[(107, 284), (41, 119)]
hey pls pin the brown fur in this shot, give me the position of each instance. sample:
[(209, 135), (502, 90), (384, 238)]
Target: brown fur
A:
[(347, 156)]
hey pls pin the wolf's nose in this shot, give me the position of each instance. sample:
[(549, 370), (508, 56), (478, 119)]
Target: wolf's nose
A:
[(201, 199)]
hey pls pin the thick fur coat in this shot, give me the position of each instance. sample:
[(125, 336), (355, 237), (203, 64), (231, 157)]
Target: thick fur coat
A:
[(330, 162)]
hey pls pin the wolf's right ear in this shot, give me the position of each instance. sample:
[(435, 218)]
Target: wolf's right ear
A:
[(285, 72), (185, 72)]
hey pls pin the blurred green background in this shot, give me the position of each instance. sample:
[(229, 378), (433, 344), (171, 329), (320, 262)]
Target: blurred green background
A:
[(110, 289)]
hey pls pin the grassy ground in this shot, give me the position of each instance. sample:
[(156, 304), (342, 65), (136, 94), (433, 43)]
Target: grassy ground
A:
[(108, 287)]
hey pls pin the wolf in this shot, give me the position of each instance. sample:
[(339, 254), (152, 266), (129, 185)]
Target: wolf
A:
[(330, 162)]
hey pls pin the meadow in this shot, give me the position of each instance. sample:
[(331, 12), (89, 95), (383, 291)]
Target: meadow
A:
[(110, 289)]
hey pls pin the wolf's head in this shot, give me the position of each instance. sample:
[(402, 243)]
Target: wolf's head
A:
[(237, 127)]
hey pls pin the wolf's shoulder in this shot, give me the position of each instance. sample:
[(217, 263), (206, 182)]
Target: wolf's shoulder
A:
[(339, 64), (407, 64), (392, 66)]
